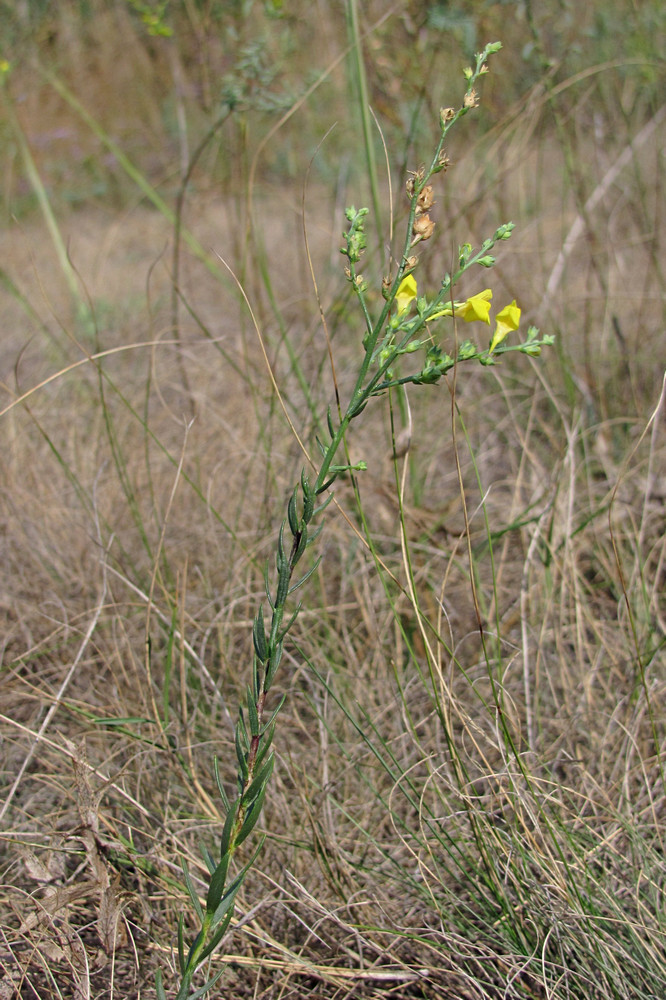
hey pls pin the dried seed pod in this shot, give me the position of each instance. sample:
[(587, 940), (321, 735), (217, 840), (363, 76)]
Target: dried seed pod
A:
[(423, 227), (446, 115), (426, 199)]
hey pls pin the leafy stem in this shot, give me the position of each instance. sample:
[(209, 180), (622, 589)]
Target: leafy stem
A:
[(393, 334)]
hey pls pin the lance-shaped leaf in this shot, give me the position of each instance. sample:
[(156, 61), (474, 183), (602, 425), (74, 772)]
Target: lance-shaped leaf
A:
[(181, 943), (252, 714), (273, 664), (207, 986), (208, 858), (304, 579), (220, 786), (301, 542), (321, 507), (159, 988), (292, 513), (308, 498), (314, 535), (259, 635), (226, 830), (228, 899), (218, 881), (260, 779), (253, 814), (285, 629), (191, 891), (241, 751)]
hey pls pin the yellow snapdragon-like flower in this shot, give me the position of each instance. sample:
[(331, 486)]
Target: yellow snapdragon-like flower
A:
[(476, 308), (406, 294), (507, 320)]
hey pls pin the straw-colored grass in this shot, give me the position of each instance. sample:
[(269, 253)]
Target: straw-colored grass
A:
[(468, 797)]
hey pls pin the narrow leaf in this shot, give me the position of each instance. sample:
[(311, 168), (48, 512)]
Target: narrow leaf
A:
[(290, 622), (308, 498), (292, 514), (208, 985), (181, 943), (240, 754), (273, 664), (159, 989), (314, 535), (231, 892), (269, 727), (329, 482), (259, 780), (192, 893), (217, 884), (208, 858), (253, 814), (324, 505), (220, 786), (259, 635), (253, 717), (228, 827), (304, 579), (218, 935)]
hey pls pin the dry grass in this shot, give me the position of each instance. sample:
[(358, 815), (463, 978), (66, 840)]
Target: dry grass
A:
[(420, 842)]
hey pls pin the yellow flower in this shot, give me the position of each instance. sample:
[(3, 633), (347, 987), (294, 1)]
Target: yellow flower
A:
[(406, 294), (507, 320), (477, 307)]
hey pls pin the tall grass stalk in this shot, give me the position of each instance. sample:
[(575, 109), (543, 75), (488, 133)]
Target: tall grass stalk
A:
[(82, 308)]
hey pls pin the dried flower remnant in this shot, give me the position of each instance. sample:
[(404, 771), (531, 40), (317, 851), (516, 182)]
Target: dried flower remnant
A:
[(422, 229), (426, 199)]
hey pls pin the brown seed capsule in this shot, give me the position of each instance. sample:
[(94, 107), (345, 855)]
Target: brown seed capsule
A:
[(411, 263), (471, 100), (423, 227), (445, 115), (426, 199)]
